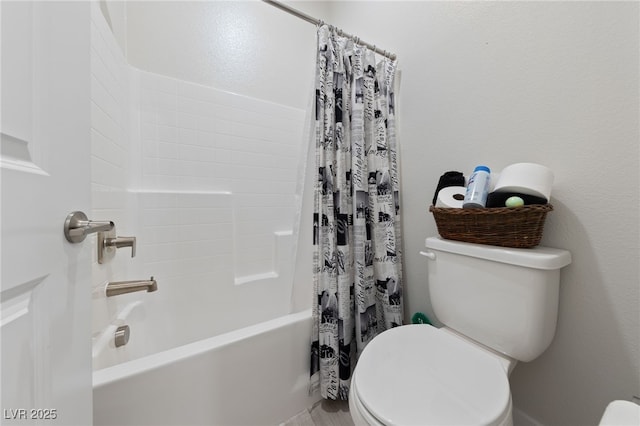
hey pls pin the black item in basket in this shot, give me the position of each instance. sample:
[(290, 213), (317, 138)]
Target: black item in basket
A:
[(448, 179)]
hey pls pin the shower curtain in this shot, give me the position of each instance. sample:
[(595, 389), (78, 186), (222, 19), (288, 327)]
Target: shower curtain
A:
[(357, 240)]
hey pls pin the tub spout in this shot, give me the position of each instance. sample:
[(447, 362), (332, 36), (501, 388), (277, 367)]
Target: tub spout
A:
[(121, 287)]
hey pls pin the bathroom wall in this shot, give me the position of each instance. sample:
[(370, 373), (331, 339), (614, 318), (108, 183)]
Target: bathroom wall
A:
[(199, 139), (550, 82), (204, 177), (110, 161), (245, 47), (115, 15)]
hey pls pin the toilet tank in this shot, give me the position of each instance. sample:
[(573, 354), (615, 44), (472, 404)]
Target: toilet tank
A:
[(503, 298)]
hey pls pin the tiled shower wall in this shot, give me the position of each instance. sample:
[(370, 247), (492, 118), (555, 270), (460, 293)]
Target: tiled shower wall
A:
[(110, 144), (109, 109), (157, 135), (199, 139)]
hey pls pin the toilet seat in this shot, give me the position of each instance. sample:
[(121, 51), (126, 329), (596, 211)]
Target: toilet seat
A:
[(420, 375)]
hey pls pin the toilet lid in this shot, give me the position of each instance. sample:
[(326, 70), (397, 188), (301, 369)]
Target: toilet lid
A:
[(419, 375)]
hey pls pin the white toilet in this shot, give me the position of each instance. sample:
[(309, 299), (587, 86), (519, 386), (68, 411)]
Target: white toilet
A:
[(498, 306)]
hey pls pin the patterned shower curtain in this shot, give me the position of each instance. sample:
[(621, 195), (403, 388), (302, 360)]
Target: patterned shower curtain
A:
[(357, 240)]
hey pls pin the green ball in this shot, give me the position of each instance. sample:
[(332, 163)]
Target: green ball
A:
[(514, 202)]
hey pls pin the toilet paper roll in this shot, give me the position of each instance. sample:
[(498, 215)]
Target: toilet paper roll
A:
[(526, 178), (492, 181), (451, 196)]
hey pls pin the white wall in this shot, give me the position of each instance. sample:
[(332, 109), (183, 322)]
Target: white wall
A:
[(196, 138), (551, 82), (110, 162), (205, 179), (115, 15), (245, 47)]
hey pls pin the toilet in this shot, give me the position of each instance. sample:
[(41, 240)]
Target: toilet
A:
[(497, 305)]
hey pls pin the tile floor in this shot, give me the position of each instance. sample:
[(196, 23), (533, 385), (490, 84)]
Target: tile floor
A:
[(324, 413)]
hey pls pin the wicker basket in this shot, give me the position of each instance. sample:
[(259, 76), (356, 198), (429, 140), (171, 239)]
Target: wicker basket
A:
[(519, 227)]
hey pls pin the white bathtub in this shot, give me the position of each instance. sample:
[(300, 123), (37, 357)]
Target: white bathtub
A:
[(215, 344), (257, 375)]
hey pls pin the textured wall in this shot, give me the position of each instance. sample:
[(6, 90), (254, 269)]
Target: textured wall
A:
[(555, 83), (245, 47)]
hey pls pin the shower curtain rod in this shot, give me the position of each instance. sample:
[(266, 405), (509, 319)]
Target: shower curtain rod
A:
[(315, 21)]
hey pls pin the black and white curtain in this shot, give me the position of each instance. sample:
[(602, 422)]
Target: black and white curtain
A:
[(356, 219)]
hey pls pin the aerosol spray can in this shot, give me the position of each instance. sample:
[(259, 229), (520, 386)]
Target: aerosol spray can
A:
[(477, 188)]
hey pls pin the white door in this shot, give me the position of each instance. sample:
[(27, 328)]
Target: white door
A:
[(45, 289)]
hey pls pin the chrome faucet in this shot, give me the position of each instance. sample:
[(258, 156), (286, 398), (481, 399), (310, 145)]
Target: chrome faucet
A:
[(108, 243), (119, 242), (121, 287)]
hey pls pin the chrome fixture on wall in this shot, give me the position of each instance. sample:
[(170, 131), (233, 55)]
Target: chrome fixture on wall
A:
[(77, 226), (121, 287), (122, 335), (108, 242)]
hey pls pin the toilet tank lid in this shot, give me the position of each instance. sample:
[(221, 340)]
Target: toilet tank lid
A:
[(547, 258)]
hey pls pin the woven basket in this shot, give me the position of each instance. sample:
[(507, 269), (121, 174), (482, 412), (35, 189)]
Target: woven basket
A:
[(519, 227)]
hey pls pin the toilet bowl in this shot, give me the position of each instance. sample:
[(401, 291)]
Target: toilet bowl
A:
[(422, 375)]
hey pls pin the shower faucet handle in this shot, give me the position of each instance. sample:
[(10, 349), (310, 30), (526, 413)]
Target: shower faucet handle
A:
[(108, 242), (119, 242)]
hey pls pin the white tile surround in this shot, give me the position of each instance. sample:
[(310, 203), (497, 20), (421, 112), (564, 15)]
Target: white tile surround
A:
[(109, 109), (110, 160), (198, 139), (205, 179)]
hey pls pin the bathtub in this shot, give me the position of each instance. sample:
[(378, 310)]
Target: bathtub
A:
[(217, 343), (257, 375)]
